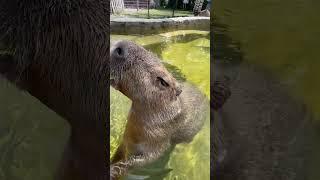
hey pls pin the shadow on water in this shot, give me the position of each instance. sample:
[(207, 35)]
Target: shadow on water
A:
[(270, 49), (226, 52), (176, 72)]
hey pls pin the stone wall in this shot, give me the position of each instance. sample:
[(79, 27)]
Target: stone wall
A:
[(124, 25)]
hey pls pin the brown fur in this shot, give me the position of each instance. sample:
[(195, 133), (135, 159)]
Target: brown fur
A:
[(161, 114)]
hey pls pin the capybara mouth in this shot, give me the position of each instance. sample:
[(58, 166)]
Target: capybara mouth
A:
[(114, 81)]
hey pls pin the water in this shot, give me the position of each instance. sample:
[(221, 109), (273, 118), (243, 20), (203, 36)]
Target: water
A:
[(281, 38), (279, 35), (186, 54), (32, 137)]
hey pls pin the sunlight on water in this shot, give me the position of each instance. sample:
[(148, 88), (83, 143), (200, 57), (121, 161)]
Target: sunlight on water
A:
[(186, 55)]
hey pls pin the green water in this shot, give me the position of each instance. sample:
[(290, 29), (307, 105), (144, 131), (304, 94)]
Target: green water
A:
[(187, 55), (32, 137), (280, 36)]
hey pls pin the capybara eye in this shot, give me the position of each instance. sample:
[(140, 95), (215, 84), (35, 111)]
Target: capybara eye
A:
[(163, 82)]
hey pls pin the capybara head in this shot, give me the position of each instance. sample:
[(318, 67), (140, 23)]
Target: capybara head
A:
[(139, 74)]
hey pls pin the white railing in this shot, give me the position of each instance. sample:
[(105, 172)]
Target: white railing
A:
[(116, 6), (136, 4)]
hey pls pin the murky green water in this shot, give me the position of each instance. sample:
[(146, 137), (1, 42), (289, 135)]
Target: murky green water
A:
[(32, 137), (186, 55), (279, 36), (282, 36)]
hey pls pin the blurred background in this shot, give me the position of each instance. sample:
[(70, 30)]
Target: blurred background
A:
[(270, 50)]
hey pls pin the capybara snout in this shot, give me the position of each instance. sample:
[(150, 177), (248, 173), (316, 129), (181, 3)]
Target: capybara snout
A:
[(118, 51)]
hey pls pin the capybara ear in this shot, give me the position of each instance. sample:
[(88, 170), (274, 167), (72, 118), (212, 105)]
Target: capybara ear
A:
[(7, 66)]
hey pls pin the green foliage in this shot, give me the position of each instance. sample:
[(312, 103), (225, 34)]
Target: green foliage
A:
[(171, 4), (163, 3)]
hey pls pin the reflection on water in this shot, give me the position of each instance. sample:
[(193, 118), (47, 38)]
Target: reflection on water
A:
[(186, 55), (274, 41)]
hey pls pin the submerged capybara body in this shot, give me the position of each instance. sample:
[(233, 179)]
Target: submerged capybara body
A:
[(266, 131), (58, 51), (163, 113)]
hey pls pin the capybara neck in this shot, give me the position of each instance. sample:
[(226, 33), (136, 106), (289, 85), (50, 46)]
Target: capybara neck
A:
[(156, 112)]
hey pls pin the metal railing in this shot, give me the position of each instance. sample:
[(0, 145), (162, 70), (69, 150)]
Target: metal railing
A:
[(136, 4)]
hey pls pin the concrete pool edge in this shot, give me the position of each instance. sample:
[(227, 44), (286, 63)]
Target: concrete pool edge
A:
[(125, 25)]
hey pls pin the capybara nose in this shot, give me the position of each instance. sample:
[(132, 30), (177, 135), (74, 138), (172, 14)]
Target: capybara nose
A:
[(119, 50)]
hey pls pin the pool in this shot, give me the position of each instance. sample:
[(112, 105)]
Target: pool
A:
[(186, 54)]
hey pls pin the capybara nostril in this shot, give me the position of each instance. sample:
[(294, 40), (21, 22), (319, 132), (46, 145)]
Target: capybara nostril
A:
[(119, 51)]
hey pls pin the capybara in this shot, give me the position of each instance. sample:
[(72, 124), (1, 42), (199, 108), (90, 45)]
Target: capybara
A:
[(164, 112)]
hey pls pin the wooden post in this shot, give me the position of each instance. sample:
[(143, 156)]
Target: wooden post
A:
[(175, 6), (137, 5), (148, 9)]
